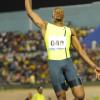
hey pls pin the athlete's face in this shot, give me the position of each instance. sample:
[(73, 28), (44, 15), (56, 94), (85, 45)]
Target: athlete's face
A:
[(58, 13)]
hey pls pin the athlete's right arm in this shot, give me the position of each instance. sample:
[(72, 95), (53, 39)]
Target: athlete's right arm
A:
[(34, 16)]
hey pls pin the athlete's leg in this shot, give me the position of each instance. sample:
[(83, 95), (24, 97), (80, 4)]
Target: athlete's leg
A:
[(61, 95), (73, 80), (57, 79), (78, 92)]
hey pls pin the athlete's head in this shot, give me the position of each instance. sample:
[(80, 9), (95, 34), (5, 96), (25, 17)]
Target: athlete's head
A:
[(58, 14)]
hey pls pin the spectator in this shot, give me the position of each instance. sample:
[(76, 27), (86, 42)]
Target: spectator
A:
[(29, 97), (39, 95)]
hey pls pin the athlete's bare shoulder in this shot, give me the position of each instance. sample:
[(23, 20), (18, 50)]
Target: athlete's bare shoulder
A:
[(73, 32)]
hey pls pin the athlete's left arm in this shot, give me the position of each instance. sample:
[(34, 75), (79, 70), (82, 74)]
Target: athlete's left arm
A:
[(76, 44)]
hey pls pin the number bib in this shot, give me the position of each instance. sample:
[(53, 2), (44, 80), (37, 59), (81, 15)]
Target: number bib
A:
[(57, 42)]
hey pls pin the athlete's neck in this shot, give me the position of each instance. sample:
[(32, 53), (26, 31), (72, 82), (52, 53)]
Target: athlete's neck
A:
[(59, 23)]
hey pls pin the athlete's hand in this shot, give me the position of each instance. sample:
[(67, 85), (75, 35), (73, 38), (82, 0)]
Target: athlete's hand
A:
[(97, 71)]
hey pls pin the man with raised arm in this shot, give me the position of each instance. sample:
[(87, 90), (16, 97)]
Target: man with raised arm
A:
[(58, 39)]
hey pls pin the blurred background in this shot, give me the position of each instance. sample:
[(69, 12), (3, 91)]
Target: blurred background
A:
[(23, 57)]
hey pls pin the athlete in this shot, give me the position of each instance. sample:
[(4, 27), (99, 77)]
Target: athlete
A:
[(58, 39)]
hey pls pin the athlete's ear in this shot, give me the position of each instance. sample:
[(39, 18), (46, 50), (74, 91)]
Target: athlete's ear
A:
[(52, 15)]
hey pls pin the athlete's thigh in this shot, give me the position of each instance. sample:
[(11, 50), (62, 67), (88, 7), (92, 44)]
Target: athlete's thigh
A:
[(70, 71), (57, 77), (70, 74)]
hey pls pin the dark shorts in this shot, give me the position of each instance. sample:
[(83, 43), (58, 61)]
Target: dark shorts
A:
[(63, 74)]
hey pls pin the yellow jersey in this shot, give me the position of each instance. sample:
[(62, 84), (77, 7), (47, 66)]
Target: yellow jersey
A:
[(38, 96), (57, 40)]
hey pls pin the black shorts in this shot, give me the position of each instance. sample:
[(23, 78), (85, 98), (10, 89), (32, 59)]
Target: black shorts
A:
[(63, 74)]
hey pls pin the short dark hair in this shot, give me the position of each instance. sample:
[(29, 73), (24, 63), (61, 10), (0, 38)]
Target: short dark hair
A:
[(39, 87)]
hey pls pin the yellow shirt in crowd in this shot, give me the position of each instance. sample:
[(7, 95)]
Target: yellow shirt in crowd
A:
[(38, 96)]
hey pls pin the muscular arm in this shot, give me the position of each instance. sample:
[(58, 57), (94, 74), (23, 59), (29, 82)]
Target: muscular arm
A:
[(76, 44), (34, 16)]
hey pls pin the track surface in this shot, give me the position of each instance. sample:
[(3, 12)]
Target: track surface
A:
[(92, 93)]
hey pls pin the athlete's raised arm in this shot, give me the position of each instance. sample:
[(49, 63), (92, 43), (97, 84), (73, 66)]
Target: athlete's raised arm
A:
[(76, 44), (34, 16)]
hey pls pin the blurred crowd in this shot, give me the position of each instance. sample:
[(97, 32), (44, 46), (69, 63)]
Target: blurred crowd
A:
[(23, 58)]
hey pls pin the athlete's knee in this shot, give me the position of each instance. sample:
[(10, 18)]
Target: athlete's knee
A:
[(78, 92), (61, 95), (80, 96)]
